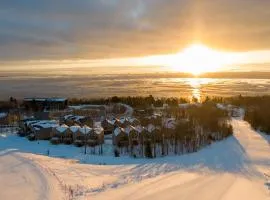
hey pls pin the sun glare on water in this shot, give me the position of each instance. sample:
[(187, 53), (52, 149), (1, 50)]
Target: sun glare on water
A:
[(197, 59)]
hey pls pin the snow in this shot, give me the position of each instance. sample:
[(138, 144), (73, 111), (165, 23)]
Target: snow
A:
[(126, 130), (225, 170), (129, 110), (62, 128), (138, 128), (169, 123), (98, 130), (112, 122), (150, 128), (117, 131), (3, 115), (86, 106), (74, 129), (85, 129), (22, 179)]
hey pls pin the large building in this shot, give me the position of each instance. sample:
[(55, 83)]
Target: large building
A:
[(45, 104)]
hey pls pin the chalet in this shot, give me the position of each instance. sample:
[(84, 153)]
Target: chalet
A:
[(108, 125), (96, 137), (169, 126), (120, 138), (62, 134), (80, 120), (81, 137), (42, 130), (74, 131)]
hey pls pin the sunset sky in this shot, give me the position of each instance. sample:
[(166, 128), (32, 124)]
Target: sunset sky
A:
[(76, 33)]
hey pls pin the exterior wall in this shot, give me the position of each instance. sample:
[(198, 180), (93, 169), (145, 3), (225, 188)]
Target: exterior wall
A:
[(43, 134)]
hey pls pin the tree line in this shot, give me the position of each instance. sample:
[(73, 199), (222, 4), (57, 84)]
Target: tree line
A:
[(257, 111)]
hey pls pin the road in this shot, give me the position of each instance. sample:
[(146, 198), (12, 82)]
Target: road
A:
[(244, 181), (23, 180)]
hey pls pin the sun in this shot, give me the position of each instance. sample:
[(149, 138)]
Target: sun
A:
[(197, 59)]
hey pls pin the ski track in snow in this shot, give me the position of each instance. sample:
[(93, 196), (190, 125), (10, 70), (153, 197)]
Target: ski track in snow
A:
[(221, 171), (22, 179)]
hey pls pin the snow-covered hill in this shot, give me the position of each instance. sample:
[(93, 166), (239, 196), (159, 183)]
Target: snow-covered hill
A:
[(230, 169)]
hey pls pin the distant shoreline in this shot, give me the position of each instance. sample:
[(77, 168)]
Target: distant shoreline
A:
[(63, 73)]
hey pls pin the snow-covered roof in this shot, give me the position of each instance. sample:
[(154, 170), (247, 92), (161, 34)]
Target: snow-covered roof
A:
[(74, 128), (117, 131), (2, 115), (31, 122), (98, 130), (138, 128), (112, 122), (43, 125), (127, 130), (36, 128), (85, 106), (122, 120), (67, 116), (78, 118), (85, 129), (131, 119), (62, 128), (150, 128), (170, 123)]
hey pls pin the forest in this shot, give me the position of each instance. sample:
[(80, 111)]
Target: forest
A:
[(257, 111)]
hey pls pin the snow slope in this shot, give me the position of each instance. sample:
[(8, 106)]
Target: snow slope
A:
[(21, 179), (237, 176), (225, 170)]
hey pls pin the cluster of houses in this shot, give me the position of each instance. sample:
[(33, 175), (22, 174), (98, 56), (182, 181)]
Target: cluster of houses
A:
[(75, 131), (125, 132), (131, 134)]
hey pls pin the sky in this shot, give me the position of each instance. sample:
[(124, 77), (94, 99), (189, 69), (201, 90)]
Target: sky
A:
[(50, 33)]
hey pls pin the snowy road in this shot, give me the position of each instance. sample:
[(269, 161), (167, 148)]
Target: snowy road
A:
[(21, 179), (246, 182)]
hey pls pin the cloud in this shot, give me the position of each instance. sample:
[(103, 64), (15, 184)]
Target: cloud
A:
[(87, 29)]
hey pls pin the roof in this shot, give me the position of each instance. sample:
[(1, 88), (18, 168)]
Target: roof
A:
[(45, 125), (74, 129), (117, 131), (138, 128), (126, 130), (85, 129), (131, 119), (112, 122), (98, 130), (62, 128), (170, 123), (67, 116), (150, 128)]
